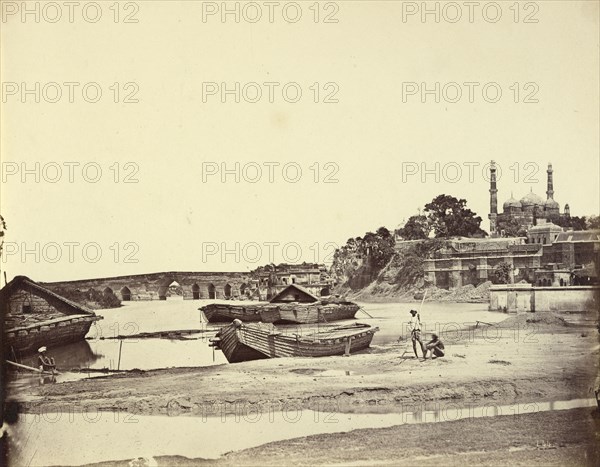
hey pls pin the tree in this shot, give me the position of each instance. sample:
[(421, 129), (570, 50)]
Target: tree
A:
[(450, 217), (378, 247), (502, 273), (512, 228), (573, 222), (416, 228), (593, 222)]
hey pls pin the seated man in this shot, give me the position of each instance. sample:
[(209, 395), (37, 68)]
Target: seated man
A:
[(435, 346), (46, 363)]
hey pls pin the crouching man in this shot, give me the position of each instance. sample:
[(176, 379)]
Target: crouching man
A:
[(46, 363), (435, 347)]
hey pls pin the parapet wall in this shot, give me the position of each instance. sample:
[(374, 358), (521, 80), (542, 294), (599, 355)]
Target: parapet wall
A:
[(514, 298)]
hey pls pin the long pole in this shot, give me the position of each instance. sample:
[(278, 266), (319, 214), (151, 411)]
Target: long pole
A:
[(365, 311), (422, 301), (120, 347), (30, 368)]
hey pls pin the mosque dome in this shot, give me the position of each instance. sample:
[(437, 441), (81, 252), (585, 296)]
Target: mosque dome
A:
[(551, 204), (531, 199), (511, 203)]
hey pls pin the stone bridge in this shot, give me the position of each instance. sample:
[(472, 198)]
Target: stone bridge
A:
[(158, 286)]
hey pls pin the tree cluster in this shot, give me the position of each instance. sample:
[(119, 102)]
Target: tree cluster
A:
[(446, 216), (91, 297), (365, 255)]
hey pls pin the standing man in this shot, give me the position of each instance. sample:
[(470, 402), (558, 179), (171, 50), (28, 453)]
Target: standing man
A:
[(414, 326)]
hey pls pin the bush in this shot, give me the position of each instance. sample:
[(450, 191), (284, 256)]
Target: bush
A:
[(92, 298)]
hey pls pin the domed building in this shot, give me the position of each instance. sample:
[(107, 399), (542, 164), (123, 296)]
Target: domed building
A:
[(522, 214)]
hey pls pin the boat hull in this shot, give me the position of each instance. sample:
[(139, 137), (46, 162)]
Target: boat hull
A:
[(51, 333), (224, 313), (243, 342), (309, 313)]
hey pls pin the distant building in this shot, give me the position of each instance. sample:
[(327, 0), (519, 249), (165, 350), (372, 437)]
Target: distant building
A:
[(548, 257), (545, 232), (311, 276), (525, 212)]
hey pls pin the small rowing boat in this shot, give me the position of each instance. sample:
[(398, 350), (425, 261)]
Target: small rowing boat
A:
[(252, 341)]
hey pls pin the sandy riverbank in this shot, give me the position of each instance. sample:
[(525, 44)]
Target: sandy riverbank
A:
[(515, 362), (526, 358)]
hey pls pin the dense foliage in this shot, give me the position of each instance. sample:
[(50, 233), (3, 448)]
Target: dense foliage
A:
[(91, 297), (512, 228), (416, 228), (502, 273), (450, 217), (409, 263), (572, 223), (593, 222), (359, 261)]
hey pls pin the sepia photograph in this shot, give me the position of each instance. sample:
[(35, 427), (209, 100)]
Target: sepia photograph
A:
[(299, 233)]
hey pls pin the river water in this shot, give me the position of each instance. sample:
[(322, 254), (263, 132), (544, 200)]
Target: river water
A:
[(103, 436), (102, 350)]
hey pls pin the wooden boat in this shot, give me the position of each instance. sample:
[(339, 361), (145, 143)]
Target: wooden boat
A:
[(308, 313), (222, 312), (35, 316), (243, 342)]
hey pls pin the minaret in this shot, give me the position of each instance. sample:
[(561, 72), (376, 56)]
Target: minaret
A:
[(550, 190), (567, 211), (493, 199)]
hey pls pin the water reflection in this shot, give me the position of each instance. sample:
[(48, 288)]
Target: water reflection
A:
[(75, 355), (130, 436)]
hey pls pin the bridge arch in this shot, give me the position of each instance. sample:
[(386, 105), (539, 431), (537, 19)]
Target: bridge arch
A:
[(125, 294), (227, 291), (195, 291), (212, 291)]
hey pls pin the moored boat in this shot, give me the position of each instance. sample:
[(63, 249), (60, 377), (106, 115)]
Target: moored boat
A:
[(308, 313), (252, 341), (222, 312), (293, 305), (35, 316)]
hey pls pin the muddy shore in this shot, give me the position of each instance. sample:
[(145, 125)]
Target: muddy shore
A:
[(521, 362), (518, 361)]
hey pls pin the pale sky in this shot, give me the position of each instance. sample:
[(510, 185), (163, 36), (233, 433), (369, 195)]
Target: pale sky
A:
[(172, 219)]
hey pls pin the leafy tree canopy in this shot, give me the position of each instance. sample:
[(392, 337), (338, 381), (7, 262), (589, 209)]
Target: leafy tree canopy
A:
[(574, 222), (512, 228), (416, 228), (593, 222), (450, 217)]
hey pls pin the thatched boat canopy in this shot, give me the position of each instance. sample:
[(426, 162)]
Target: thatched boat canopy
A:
[(294, 293), (63, 304)]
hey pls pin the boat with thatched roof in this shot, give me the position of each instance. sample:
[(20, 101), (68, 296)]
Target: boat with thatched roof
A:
[(253, 341), (293, 305), (34, 316)]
